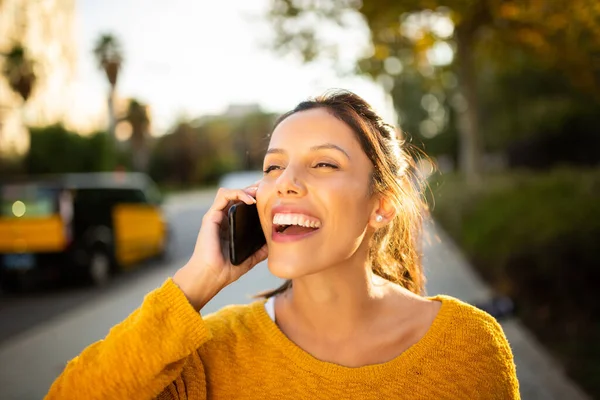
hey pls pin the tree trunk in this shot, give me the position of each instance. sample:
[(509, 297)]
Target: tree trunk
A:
[(468, 119), (1, 131), (139, 146), (140, 158), (112, 119)]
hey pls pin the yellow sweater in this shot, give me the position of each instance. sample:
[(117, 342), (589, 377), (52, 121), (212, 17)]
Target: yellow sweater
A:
[(166, 350)]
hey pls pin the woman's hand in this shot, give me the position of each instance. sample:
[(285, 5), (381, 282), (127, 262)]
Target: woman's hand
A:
[(209, 269)]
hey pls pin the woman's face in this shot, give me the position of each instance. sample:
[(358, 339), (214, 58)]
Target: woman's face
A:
[(313, 200)]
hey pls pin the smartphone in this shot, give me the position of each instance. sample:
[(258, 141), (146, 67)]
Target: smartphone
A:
[(245, 232)]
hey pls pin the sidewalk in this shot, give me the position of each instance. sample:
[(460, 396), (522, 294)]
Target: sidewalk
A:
[(540, 377)]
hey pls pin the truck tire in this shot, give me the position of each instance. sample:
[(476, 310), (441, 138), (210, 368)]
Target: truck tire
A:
[(100, 268)]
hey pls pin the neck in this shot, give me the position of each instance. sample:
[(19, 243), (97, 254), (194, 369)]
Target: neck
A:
[(336, 302)]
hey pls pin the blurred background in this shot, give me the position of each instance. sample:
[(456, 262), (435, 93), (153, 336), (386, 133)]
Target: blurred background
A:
[(160, 103)]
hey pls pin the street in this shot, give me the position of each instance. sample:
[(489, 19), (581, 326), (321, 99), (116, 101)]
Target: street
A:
[(23, 311), (40, 332)]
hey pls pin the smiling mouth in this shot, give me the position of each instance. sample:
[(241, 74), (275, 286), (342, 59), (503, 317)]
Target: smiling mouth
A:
[(294, 224), (293, 229)]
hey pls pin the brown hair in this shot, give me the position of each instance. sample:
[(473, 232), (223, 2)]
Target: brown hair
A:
[(395, 250)]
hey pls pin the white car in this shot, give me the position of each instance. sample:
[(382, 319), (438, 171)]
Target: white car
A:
[(240, 179)]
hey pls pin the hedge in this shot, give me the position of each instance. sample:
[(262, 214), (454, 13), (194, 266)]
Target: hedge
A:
[(536, 237)]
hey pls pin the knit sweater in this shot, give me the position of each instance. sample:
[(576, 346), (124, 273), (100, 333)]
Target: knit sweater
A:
[(167, 350)]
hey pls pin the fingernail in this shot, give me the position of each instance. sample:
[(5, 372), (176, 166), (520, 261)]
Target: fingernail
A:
[(253, 188)]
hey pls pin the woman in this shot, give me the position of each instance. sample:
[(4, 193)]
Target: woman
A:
[(342, 215)]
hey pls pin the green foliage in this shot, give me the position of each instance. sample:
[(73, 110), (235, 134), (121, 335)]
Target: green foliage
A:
[(54, 149), (109, 55), (199, 153), (563, 33), (534, 237), (18, 69), (546, 206), (138, 118), (505, 54), (10, 166), (529, 101)]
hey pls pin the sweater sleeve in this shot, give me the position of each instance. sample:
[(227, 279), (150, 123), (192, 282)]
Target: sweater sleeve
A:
[(494, 374), (142, 357)]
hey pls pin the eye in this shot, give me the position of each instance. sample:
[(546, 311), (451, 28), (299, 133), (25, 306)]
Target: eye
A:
[(326, 165), (271, 168)]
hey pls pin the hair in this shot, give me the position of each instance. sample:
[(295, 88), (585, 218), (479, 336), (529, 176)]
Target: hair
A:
[(395, 249)]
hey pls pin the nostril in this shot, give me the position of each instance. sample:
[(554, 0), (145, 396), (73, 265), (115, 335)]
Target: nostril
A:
[(287, 192)]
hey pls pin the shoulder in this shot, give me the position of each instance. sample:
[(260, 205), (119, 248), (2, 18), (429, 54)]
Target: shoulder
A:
[(469, 324), (234, 321), (475, 341)]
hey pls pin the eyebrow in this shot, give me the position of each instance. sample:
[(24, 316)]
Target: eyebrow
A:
[(326, 146)]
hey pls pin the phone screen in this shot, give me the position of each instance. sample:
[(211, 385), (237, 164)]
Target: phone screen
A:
[(245, 232)]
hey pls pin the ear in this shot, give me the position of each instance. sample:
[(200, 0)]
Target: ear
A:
[(383, 212)]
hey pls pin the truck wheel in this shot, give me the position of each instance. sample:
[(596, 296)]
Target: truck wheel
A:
[(10, 285), (99, 268)]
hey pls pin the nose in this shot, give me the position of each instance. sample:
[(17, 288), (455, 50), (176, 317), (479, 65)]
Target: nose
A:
[(289, 183)]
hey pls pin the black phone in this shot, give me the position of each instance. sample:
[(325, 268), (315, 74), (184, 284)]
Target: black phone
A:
[(245, 232)]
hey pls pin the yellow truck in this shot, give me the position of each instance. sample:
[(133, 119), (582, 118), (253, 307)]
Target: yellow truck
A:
[(78, 225)]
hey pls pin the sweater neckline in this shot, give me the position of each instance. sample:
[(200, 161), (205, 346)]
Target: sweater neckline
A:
[(333, 371)]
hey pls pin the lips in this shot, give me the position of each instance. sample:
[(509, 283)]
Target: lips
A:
[(292, 223)]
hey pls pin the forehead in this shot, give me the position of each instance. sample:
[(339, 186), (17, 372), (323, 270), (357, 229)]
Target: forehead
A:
[(313, 127)]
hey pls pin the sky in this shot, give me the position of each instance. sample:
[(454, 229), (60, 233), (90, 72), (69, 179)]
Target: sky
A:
[(188, 58)]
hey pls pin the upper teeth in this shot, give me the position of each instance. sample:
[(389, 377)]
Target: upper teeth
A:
[(296, 219)]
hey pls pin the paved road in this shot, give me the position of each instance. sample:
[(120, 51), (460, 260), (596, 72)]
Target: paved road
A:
[(35, 354)]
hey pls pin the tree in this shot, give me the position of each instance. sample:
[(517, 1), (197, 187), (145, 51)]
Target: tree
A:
[(55, 149), (202, 150), (109, 56), (250, 136), (176, 155), (564, 32), (19, 71), (138, 118)]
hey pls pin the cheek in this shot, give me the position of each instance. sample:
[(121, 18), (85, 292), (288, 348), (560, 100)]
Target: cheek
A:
[(262, 201), (346, 198), (260, 195)]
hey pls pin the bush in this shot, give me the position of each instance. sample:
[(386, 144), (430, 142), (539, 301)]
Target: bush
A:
[(10, 165), (534, 237), (54, 149)]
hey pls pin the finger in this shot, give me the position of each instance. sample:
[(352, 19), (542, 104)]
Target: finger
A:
[(224, 196), (257, 257), (251, 190), (223, 234)]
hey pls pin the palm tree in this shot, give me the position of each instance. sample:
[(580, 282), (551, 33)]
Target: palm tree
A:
[(110, 58), (19, 71), (139, 119)]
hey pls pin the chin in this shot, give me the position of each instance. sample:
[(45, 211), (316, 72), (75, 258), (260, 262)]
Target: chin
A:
[(289, 267)]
